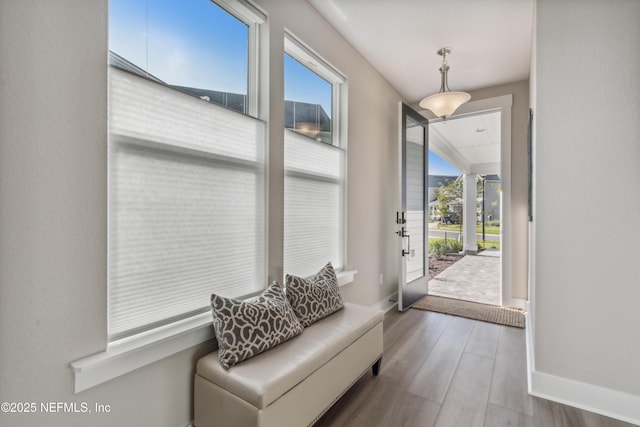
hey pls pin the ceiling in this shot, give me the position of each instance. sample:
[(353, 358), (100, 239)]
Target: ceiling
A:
[(491, 42), (471, 143)]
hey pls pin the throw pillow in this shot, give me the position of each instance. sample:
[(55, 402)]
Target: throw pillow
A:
[(246, 328), (315, 297)]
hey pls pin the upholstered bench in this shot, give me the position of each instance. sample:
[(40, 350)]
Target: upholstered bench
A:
[(294, 383)]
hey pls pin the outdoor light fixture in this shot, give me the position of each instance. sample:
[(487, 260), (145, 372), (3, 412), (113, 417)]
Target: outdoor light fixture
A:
[(444, 103)]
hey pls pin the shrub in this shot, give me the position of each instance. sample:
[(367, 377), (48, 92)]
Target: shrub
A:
[(440, 247)]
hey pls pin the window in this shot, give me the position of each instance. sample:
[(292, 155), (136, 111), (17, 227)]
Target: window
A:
[(186, 176), (314, 163), (195, 47)]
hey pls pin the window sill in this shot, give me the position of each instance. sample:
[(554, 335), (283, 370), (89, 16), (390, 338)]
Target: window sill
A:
[(345, 277), (128, 354), (140, 350)]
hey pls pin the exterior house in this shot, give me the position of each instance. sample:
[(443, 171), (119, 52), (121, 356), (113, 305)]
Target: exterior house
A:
[(491, 199), (434, 182), (579, 290)]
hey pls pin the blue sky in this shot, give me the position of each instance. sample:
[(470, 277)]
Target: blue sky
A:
[(302, 85), (439, 166), (195, 43), (198, 46), (204, 47)]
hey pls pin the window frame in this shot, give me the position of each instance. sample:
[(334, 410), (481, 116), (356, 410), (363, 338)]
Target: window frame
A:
[(124, 355), (304, 54)]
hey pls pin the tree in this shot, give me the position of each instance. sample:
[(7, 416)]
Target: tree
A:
[(446, 195)]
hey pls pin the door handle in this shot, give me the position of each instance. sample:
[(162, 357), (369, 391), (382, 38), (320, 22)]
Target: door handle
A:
[(408, 251), (403, 233)]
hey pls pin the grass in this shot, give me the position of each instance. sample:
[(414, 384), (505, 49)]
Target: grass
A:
[(456, 227), (488, 244), (482, 244)]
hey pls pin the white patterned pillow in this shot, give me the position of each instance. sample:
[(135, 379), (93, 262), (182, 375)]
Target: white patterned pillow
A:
[(246, 328), (315, 297)]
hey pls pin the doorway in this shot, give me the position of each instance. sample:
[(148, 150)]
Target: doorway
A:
[(484, 127)]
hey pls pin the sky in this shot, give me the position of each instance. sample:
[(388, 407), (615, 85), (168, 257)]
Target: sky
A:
[(301, 84), (204, 47), (439, 166), (199, 46)]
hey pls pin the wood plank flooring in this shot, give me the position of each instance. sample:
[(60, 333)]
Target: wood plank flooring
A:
[(440, 371)]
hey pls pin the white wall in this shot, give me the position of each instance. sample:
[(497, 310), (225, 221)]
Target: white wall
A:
[(587, 274), (53, 204)]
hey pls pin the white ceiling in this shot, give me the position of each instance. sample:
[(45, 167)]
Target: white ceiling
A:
[(491, 42), (471, 143)]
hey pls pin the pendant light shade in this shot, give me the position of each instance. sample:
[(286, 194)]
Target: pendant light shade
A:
[(444, 103)]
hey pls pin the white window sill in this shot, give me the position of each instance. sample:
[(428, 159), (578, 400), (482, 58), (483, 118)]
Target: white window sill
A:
[(131, 353), (134, 352), (345, 277)]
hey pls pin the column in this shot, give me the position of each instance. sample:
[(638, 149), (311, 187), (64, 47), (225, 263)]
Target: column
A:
[(469, 213)]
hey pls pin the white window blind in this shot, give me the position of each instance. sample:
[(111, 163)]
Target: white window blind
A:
[(186, 204), (313, 205)]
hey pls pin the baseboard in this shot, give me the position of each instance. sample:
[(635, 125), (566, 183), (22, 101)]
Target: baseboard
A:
[(517, 303), (607, 402), (389, 302), (528, 331), (603, 401)]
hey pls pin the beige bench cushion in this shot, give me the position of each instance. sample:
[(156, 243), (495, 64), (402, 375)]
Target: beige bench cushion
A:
[(264, 378)]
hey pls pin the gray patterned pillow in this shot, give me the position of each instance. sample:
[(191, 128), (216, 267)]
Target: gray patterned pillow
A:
[(246, 328), (315, 297)]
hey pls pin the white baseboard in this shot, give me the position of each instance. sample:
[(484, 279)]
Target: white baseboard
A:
[(517, 303), (607, 402), (603, 401), (389, 302)]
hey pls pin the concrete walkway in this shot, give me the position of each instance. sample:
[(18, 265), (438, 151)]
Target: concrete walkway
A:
[(473, 278)]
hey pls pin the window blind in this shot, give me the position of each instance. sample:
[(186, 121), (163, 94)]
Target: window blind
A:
[(186, 204), (313, 205)]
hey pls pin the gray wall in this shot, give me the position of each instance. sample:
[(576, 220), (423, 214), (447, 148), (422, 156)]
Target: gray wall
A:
[(53, 203), (586, 274)]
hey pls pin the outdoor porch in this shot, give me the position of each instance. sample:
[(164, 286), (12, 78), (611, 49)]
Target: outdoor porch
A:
[(473, 278)]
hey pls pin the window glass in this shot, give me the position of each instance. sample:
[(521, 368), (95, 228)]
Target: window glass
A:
[(193, 46), (308, 101)]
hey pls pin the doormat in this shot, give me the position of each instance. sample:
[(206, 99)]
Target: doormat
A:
[(473, 310)]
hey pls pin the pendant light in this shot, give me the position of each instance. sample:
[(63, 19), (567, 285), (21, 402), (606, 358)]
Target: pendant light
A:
[(444, 103)]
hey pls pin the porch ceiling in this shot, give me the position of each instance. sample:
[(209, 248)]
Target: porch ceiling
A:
[(470, 143)]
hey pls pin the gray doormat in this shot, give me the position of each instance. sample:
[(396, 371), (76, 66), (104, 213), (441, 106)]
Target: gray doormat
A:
[(473, 310)]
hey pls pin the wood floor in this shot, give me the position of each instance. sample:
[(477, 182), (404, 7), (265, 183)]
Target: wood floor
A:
[(441, 370)]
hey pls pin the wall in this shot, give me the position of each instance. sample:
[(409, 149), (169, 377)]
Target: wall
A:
[(53, 204), (372, 150), (587, 171)]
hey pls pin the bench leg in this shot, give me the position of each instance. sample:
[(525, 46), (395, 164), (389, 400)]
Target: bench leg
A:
[(376, 367)]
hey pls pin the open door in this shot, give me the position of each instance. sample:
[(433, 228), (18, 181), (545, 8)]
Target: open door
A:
[(412, 219)]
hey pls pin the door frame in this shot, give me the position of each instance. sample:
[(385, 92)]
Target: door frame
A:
[(503, 104)]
